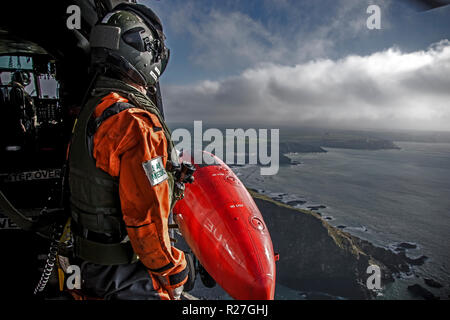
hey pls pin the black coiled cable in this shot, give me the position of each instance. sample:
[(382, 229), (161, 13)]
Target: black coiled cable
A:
[(51, 260)]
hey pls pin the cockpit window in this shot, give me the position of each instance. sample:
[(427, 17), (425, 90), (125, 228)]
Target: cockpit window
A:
[(16, 62), (47, 83)]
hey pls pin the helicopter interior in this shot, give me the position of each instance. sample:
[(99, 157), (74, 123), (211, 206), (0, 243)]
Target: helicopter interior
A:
[(44, 76)]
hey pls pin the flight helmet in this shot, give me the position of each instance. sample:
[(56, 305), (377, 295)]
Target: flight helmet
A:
[(129, 42)]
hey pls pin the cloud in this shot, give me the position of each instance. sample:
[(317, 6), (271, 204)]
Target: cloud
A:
[(224, 39), (227, 36), (388, 89)]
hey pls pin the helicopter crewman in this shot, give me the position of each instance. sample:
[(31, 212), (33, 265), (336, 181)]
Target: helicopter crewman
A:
[(20, 120), (122, 166)]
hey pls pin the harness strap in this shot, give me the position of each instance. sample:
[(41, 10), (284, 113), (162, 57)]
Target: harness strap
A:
[(105, 254), (94, 123)]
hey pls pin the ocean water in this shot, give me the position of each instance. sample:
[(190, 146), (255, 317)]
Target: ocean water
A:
[(384, 196)]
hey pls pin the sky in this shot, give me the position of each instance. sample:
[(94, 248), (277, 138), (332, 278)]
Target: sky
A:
[(306, 63)]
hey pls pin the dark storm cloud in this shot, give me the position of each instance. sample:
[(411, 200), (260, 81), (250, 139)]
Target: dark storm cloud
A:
[(385, 89)]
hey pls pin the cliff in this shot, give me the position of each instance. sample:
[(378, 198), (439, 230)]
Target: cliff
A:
[(317, 257)]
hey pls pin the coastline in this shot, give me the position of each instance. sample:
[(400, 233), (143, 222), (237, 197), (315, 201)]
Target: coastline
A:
[(331, 260)]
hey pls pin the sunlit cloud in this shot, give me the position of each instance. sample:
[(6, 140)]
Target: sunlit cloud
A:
[(388, 89)]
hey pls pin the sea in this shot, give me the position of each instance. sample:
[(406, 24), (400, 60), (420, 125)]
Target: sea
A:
[(387, 197)]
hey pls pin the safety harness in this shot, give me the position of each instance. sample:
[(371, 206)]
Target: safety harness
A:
[(97, 224)]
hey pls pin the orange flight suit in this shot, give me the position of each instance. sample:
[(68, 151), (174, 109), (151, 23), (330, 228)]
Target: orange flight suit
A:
[(122, 144)]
